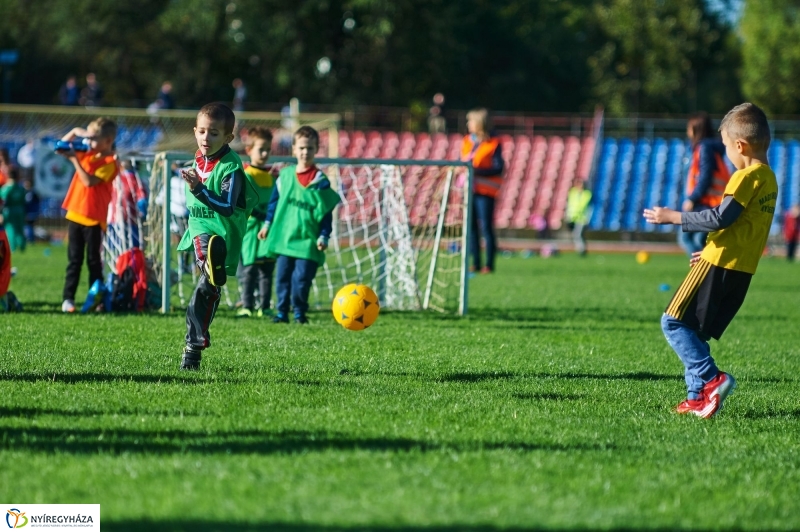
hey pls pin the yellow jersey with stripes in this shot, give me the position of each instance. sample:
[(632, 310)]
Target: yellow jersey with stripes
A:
[(740, 246)]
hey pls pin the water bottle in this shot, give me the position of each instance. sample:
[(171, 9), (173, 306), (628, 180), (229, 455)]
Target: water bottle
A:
[(76, 144)]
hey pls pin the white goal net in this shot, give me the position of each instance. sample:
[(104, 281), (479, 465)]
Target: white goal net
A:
[(401, 228)]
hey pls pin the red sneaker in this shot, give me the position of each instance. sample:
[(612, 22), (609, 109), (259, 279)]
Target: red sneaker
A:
[(711, 398), (701, 407), (720, 386), (486, 270), (689, 406)]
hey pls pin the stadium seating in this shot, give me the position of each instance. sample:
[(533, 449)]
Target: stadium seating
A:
[(539, 171)]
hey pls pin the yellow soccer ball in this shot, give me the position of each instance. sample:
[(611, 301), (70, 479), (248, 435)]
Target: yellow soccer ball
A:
[(355, 307), (642, 257)]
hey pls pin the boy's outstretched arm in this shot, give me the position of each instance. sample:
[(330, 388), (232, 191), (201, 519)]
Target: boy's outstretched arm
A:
[(227, 200), (662, 215), (714, 219), (75, 132)]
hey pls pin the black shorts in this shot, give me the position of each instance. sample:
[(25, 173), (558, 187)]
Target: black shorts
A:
[(709, 298)]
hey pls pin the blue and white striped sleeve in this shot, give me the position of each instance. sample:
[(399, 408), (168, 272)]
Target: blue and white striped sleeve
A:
[(226, 201)]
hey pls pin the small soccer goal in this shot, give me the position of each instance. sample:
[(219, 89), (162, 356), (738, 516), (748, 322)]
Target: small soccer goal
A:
[(401, 228)]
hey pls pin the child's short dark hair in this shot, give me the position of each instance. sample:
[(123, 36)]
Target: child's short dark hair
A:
[(105, 126), (258, 132), (219, 112), (306, 132), (747, 122)]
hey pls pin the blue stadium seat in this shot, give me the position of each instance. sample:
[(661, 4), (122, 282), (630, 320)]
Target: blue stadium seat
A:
[(634, 201), (791, 195), (605, 167), (622, 176), (676, 168), (776, 155), (655, 180)]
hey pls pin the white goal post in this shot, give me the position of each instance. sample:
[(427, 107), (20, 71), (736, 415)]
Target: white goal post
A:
[(402, 228)]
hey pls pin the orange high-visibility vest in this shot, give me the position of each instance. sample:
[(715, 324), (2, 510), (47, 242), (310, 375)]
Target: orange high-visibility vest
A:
[(721, 176), (481, 157), (91, 202)]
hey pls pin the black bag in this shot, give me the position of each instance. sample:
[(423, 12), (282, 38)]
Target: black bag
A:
[(122, 292)]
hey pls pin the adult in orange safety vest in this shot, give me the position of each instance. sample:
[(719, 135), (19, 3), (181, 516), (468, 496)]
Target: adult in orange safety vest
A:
[(486, 155), (707, 178)]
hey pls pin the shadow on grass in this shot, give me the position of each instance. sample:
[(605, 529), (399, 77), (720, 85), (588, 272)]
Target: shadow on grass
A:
[(53, 307), (73, 378), (26, 412), (545, 396), (220, 526), (470, 377), (533, 314), (116, 441), (770, 413)]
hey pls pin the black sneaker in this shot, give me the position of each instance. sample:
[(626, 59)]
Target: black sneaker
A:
[(215, 262), (280, 318), (191, 359), (301, 319)]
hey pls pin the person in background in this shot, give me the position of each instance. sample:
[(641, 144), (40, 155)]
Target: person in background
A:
[(13, 196), (239, 94), (485, 154), (127, 209), (708, 176), (32, 208), (298, 224), (791, 231), (87, 203), (8, 302), (164, 98), (69, 94), (436, 120), (256, 268), (92, 93), (578, 213)]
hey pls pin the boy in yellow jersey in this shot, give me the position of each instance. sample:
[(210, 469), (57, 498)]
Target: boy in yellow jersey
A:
[(720, 274), (87, 200), (256, 267)]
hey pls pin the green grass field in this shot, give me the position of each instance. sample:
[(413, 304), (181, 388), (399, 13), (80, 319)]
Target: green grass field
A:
[(547, 408)]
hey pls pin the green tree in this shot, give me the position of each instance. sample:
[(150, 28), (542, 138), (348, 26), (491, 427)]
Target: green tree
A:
[(770, 31), (657, 56), (516, 55)]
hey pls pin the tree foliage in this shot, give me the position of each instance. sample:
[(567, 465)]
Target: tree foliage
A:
[(658, 55), (770, 32), (525, 55)]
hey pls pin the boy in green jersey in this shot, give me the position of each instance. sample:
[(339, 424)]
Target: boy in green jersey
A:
[(298, 225), (220, 202), (256, 267)]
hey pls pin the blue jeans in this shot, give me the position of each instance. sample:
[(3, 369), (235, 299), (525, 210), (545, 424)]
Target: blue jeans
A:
[(691, 242), (482, 223), (293, 280), (693, 350)]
